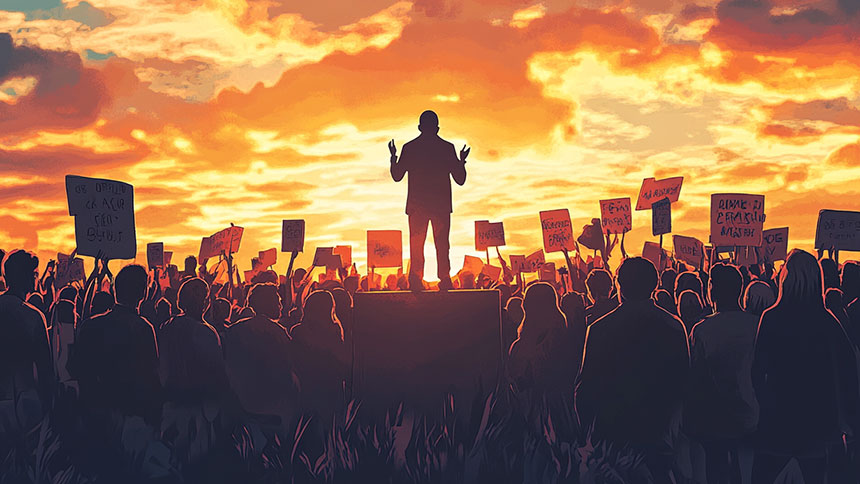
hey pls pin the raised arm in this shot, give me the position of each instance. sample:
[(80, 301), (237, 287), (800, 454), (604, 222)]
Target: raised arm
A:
[(397, 169), (458, 166)]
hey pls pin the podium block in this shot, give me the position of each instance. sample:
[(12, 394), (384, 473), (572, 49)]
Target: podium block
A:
[(415, 348)]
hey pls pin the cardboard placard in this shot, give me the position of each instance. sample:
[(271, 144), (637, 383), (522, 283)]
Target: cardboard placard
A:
[(489, 234), (518, 264), (774, 245), (225, 241), (473, 264), (689, 249), (104, 216), (838, 229), (534, 261), (293, 236), (323, 256), (76, 270), (557, 230), (653, 190), (661, 217), (651, 251), (269, 257), (345, 252), (547, 272), (384, 248), (205, 249), (155, 255), (737, 219), (615, 215), (492, 272), (168, 256)]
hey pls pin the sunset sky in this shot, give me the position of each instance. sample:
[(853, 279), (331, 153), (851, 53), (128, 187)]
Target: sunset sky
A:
[(254, 111)]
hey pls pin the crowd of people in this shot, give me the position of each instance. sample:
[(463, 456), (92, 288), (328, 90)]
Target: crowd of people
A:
[(750, 366)]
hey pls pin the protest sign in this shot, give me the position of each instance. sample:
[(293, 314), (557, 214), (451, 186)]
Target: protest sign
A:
[(104, 217), (653, 190), (384, 248), (518, 264), (473, 264), (661, 217), (492, 272), (774, 245), (547, 272), (76, 270), (323, 256), (205, 249), (838, 229), (737, 219), (488, 234), (269, 257), (155, 255), (659, 257), (345, 252), (557, 230), (592, 235), (168, 256), (615, 215), (534, 261), (689, 250), (293, 236)]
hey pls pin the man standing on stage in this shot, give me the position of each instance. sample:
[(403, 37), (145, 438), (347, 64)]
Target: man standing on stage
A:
[(430, 161)]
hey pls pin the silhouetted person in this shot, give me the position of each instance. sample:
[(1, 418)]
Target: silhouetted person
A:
[(830, 273), (102, 302), (512, 317), (667, 281), (575, 314), (850, 279), (116, 354), (805, 376), (24, 347), (634, 371), (599, 284), (688, 280), (758, 297), (721, 408), (833, 303), (320, 355), (664, 300), (431, 162), (257, 353), (689, 308)]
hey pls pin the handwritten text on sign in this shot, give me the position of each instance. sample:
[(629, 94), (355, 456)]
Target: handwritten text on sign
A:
[(104, 216), (774, 245), (615, 215), (557, 231), (488, 234), (293, 236), (737, 219), (155, 254), (653, 190), (688, 249), (661, 217), (384, 248), (838, 229)]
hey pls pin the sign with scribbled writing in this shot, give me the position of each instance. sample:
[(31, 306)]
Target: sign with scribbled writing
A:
[(615, 215), (293, 236), (268, 257), (774, 245), (689, 250), (489, 234), (659, 257), (653, 190), (225, 242), (547, 272), (557, 230), (661, 217), (155, 255), (534, 261), (493, 272), (104, 217), (384, 248), (838, 229), (737, 219)]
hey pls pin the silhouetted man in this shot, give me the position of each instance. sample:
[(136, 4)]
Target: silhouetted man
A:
[(116, 354), (431, 162), (634, 370), (24, 396)]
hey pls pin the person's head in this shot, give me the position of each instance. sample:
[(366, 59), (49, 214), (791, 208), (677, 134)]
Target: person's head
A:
[(221, 309), (758, 297), (599, 284), (664, 299), (130, 285), (193, 297), (725, 286), (514, 310), (391, 282), (190, 265), (319, 311), (667, 279), (800, 280), (298, 276), (428, 122), (830, 272), (64, 312), (689, 307), (351, 284), (573, 308), (342, 304), (68, 293), (102, 302), (20, 271), (265, 301), (833, 300), (636, 279), (467, 280), (688, 280), (850, 281), (540, 309)]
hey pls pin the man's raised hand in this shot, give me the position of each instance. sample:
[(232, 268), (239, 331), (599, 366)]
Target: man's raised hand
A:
[(464, 153), (392, 148)]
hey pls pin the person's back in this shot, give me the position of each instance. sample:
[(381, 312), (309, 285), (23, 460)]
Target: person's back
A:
[(430, 162), (257, 355), (634, 367)]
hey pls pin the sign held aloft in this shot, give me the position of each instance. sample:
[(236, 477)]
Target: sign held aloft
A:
[(293, 236), (557, 230), (489, 234), (384, 248), (653, 190), (689, 249), (661, 217), (155, 255), (225, 241), (104, 216), (615, 215), (737, 219), (838, 229), (774, 245)]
